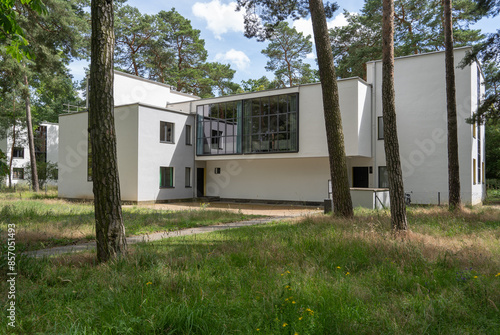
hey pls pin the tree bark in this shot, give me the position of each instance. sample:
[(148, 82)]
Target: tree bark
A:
[(12, 149), (110, 231), (391, 143), (335, 137), (453, 163), (31, 141)]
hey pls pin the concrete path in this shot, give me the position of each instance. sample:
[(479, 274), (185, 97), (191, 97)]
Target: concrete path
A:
[(159, 236)]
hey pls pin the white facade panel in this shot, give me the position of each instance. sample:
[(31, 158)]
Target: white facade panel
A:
[(422, 124), (129, 89), (304, 179), (154, 154)]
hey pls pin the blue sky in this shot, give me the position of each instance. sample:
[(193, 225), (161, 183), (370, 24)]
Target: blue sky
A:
[(222, 29)]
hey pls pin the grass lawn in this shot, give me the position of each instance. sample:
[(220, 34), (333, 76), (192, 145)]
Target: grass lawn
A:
[(43, 221), (322, 275)]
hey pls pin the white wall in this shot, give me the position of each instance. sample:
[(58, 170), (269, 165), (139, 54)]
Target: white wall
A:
[(153, 154), (130, 89), (356, 120), (73, 154), (302, 179), (422, 127)]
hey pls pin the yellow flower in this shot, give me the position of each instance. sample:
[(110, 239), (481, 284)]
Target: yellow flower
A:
[(296, 334), (258, 329), (301, 318), (149, 283), (497, 275), (285, 324), (282, 274), (287, 286), (475, 276), (338, 267), (287, 271), (347, 274), (293, 302)]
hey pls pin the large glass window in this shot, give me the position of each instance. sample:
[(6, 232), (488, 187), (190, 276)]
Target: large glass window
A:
[(259, 125)]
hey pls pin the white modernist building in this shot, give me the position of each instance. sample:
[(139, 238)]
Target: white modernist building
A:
[(271, 145), (46, 149)]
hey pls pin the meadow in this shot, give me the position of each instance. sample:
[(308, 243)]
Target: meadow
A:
[(319, 275)]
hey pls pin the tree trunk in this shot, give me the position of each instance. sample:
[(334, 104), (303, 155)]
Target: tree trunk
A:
[(453, 165), (110, 231), (338, 168), (12, 149), (31, 141), (391, 144)]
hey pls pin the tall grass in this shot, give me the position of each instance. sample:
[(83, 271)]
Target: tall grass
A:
[(43, 223), (319, 276)]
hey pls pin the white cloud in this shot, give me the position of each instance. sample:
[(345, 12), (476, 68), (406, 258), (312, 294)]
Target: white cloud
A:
[(221, 18), (236, 58), (305, 26)]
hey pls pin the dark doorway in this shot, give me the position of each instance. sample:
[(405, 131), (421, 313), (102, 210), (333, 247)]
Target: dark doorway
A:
[(200, 182), (360, 176)]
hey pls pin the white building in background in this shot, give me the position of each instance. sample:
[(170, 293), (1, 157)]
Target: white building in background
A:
[(46, 149), (271, 145)]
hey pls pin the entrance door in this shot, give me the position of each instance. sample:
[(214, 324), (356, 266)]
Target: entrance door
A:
[(200, 182), (360, 176)]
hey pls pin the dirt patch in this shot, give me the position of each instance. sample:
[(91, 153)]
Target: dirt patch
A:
[(248, 208)]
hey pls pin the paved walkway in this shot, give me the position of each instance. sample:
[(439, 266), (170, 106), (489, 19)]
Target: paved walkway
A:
[(159, 236)]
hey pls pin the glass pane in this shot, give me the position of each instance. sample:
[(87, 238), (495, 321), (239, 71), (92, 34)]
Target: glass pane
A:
[(265, 105), (273, 124), (283, 105), (255, 125), (255, 107), (264, 125), (293, 103), (273, 105), (214, 111)]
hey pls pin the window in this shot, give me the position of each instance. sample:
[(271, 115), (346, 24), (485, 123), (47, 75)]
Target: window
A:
[(474, 171), (383, 177), (166, 177), (258, 125), (188, 177), (18, 173), (18, 153), (216, 139), (380, 127), (166, 132), (217, 170), (188, 135)]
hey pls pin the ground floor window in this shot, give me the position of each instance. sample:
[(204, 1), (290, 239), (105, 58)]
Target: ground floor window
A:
[(383, 177), (18, 173), (188, 177), (166, 177)]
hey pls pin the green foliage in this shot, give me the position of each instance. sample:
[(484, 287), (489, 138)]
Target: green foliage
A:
[(286, 50), (47, 172), (4, 167), (492, 150), (417, 29), (261, 84), (11, 32)]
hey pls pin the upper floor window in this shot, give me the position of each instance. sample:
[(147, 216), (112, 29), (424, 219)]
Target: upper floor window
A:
[(258, 125), (18, 153), (166, 132), (189, 140), (380, 125)]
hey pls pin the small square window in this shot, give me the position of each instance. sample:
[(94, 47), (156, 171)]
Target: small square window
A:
[(166, 132), (380, 127), (18, 153), (188, 177), (189, 141), (166, 177), (18, 173), (217, 170)]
